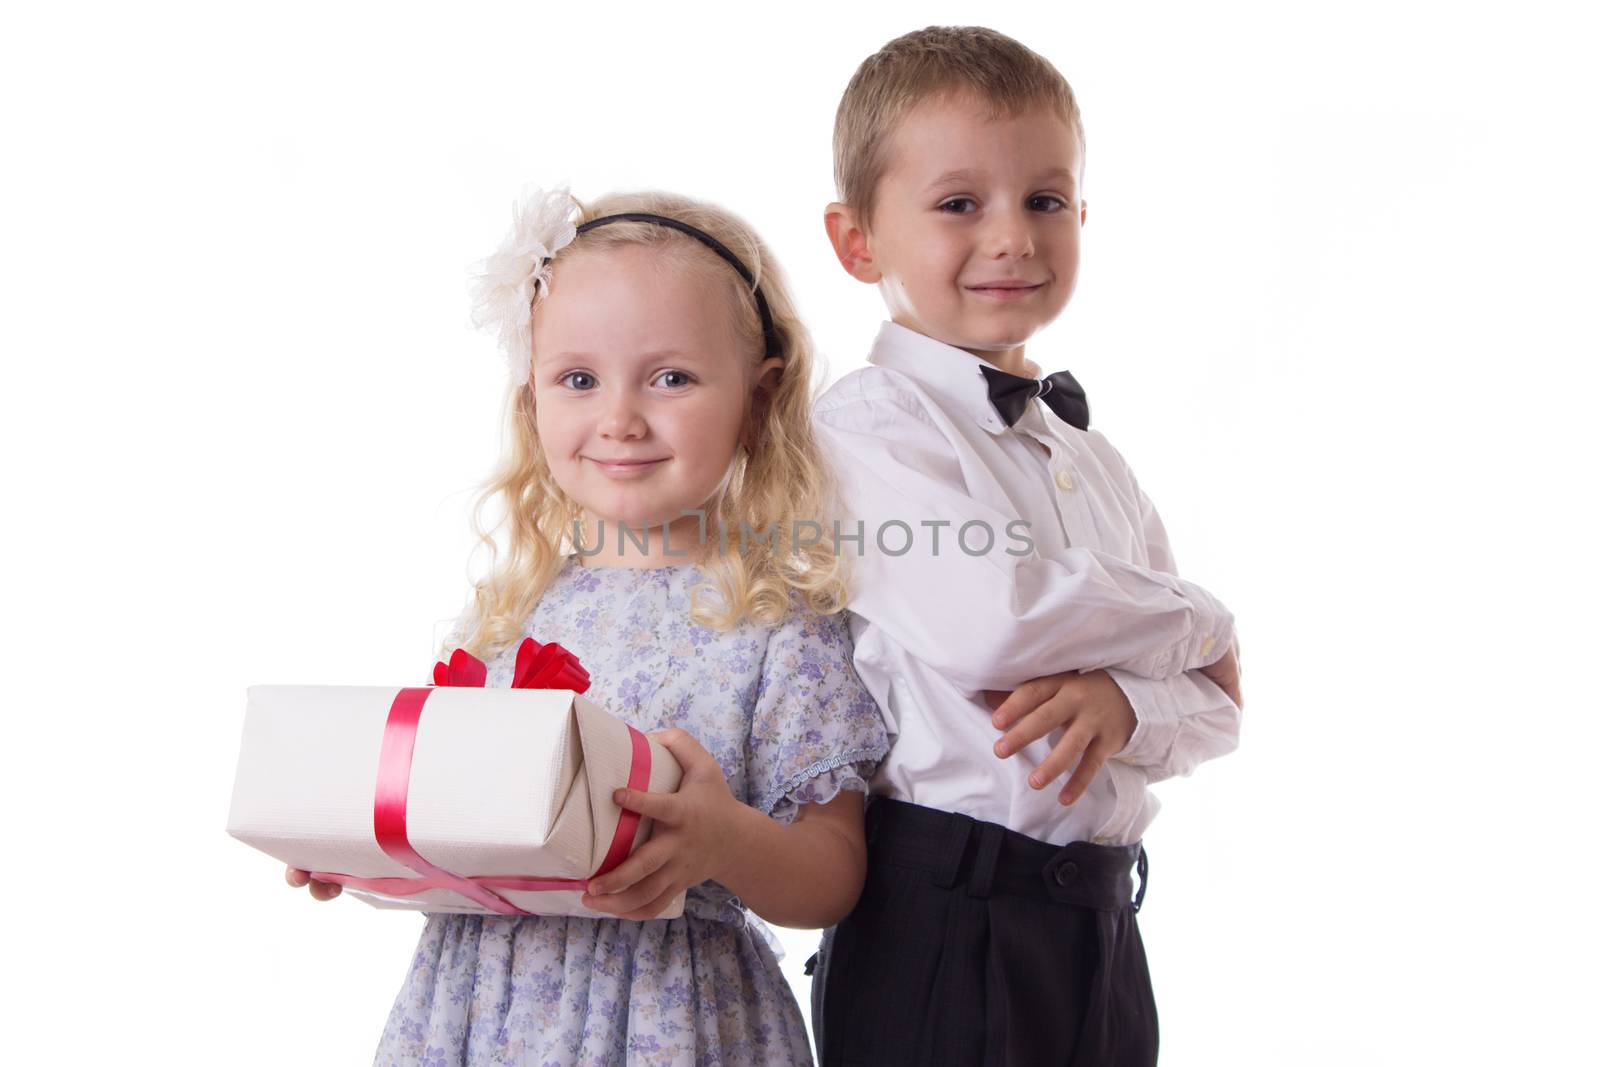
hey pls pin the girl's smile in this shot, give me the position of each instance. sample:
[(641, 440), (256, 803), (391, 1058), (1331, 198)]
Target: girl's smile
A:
[(630, 468)]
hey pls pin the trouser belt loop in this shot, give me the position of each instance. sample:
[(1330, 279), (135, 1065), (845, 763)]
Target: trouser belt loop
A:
[(955, 846), (982, 880), (1143, 867)]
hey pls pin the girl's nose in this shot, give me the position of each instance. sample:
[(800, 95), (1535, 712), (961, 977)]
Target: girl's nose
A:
[(622, 418)]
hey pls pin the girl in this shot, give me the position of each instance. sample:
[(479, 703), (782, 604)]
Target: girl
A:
[(665, 413)]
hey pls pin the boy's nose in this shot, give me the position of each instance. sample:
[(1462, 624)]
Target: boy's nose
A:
[(1008, 234)]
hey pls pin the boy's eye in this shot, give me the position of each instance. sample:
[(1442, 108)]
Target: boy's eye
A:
[(1047, 203), (674, 379), (958, 205), (580, 380)]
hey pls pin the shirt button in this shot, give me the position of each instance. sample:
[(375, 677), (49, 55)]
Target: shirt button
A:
[(1064, 480), (1205, 646)]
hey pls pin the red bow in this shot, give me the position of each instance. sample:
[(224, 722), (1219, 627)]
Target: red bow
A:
[(538, 667)]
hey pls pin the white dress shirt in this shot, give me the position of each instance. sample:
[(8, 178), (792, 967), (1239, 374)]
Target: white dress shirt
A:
[(919, 450)]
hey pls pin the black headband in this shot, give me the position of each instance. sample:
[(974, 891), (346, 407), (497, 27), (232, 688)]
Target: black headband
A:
[(768, 332)]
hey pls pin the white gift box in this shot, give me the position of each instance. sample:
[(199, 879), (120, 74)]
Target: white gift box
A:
[(504, 785)]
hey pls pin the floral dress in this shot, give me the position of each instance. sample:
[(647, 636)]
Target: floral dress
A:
[(782, 711)]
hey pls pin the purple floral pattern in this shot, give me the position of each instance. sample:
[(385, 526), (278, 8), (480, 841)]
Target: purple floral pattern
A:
[(782, 711)]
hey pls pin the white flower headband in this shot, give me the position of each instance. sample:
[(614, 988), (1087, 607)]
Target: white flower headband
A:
[(506, 284)]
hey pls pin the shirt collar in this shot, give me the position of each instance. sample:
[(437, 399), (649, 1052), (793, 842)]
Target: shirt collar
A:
[(956, 377), (951, 373)]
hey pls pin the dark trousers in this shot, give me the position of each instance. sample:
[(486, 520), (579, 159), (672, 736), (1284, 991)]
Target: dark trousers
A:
[(974, 944)]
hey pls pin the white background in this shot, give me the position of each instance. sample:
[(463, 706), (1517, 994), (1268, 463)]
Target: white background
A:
[(1336, 307)]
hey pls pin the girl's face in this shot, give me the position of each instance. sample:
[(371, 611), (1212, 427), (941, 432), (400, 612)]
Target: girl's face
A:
[(640, 385)]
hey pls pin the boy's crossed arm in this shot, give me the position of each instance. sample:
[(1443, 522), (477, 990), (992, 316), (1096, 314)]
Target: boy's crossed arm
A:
[(993, 622), (1165, 727)]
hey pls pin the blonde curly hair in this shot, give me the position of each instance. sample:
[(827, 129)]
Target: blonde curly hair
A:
[(777, 478)]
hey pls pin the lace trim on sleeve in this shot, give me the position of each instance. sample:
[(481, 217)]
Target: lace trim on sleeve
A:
[(779, 805)]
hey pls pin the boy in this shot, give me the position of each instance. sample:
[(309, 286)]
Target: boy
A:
[(1003, 546)]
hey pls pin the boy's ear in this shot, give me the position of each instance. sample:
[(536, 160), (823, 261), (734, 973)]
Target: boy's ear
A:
[(849, 242)]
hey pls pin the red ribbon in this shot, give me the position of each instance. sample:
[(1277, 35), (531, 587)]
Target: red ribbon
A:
[(537, 667)]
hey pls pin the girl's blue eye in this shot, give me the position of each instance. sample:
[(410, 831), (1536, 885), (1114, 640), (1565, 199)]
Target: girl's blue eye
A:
[(679, 379), (959, 205), (580, 380), (1047, 203)]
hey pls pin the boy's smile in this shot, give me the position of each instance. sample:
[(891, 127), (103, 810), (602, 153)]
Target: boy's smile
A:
[(974, 237)]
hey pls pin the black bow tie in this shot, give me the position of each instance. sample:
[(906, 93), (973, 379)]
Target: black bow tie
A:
[(1010, 394)]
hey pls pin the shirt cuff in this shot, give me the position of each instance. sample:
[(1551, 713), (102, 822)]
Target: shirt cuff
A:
[(1155, 716), (1212, 633)]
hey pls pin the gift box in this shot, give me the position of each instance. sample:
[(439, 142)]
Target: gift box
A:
[(451, 797)]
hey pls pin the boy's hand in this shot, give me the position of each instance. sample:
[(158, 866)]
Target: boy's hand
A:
[(691, 840), (1225, 672), (319, 890), (1098, 720)]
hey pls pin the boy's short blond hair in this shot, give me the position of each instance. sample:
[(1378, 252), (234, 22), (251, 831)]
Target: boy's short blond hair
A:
[(940, 61)]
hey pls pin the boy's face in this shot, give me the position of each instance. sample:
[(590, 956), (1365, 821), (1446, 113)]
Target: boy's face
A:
[(973, 240)]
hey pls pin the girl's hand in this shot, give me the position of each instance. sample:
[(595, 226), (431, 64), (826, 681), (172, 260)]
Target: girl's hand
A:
[(1099, 722), (692, 839), (319, 890)]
